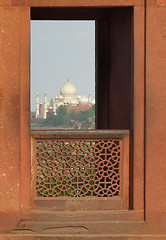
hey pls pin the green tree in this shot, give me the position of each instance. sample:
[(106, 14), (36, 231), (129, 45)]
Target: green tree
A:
[(73, 115), (58, 119), (61, 111)]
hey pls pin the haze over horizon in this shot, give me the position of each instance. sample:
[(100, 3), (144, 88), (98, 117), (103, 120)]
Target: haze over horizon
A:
[(62, 50)]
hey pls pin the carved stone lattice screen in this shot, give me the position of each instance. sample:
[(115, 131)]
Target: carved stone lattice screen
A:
[(81, 165)]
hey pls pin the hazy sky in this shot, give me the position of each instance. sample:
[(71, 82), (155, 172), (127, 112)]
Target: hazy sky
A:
[(61, 50)]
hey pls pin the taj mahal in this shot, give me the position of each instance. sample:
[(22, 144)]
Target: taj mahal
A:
[(68, 98)]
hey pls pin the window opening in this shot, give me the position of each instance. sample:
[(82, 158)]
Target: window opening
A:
[(92, 164), (62, 74)]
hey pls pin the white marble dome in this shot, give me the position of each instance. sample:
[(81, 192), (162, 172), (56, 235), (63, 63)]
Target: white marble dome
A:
[(83, 100), (68, 91), (79, 96), (60, 97)]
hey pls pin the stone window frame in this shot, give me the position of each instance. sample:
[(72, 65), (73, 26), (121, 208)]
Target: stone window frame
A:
[(137, 174)]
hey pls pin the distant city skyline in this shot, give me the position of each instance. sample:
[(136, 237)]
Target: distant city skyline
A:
[(62, 50)]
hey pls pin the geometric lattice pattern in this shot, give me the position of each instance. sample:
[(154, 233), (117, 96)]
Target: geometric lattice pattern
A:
[(77, 168)]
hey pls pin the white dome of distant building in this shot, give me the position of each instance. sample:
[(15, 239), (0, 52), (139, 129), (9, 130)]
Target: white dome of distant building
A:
[(60, 97), (79, 96), (83, 100), (68, 91), (67, 97)]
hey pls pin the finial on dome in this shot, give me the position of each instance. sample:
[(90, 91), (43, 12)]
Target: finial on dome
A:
[(68, 79)]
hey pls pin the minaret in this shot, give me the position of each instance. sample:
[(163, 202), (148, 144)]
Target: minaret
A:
[(37, 105), (54, 106), (90, 98), (45, 105)]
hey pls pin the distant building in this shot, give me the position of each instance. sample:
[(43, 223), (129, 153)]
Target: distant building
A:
[(68, 97)]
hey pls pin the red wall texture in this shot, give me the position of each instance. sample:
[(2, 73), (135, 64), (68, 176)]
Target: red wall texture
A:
[(148, 218)]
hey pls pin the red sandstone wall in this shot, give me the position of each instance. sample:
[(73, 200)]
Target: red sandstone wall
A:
[(78, 108), (156, 109), (14, 125)]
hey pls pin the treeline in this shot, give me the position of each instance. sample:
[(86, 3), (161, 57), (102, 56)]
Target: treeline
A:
[(74, 120)]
